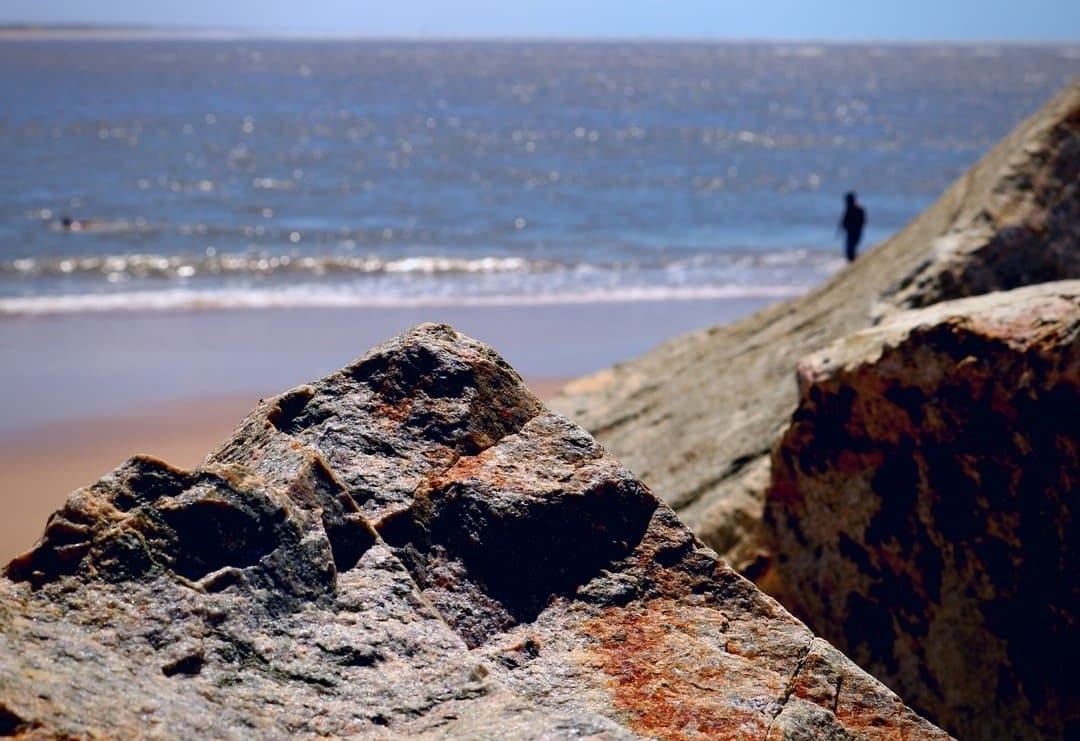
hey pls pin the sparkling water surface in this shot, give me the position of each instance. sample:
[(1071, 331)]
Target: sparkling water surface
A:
[(363, 173)]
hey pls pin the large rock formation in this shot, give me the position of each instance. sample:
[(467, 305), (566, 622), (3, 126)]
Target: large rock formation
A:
[(1016, 227), (410, 547), (696, 418), (922, 504)]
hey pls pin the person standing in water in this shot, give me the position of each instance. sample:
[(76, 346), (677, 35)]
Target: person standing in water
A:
[(852, 222)]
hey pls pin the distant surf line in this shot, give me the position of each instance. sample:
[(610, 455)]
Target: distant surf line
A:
[(176, 301)]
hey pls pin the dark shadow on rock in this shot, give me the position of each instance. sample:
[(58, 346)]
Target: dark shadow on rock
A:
[(515, 551), (151, 518)]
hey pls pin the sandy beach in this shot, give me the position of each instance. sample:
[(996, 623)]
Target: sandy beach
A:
[(82, 393)]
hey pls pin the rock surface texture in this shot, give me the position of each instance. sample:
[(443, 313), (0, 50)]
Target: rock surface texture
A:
[(921, 508), (696, 418), (410, 547), (1015, 229)]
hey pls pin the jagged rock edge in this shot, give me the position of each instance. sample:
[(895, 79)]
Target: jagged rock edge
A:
[(281, 417)]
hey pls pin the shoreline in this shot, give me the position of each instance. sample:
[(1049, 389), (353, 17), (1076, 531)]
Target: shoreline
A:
[(60, 368), (84, 392)]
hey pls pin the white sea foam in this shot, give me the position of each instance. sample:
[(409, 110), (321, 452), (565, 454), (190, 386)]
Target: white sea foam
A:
[(184, 300), (153, 265)]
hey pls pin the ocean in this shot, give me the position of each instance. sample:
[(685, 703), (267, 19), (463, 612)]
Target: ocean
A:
[(162, 175)]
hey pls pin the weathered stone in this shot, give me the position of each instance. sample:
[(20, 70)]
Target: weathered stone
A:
[(921, 508), (695, 418), (1018, 228), (411, 547)]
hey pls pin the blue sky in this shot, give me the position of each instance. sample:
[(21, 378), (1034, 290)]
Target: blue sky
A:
[(961, 20)]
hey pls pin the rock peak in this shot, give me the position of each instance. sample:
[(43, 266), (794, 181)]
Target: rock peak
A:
[(412, 546)]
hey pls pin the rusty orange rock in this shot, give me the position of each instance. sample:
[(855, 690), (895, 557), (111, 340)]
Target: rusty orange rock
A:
[(921, 508)]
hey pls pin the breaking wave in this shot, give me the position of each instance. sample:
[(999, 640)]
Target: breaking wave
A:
[(314, 297)]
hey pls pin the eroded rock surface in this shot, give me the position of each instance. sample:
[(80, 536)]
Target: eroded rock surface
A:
[(921, 510), (695, 418), (410, 547)]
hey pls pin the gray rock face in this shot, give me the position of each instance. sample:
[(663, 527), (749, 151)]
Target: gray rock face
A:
[(696, 418), (1019, 228), (921, 508), (410, 547)]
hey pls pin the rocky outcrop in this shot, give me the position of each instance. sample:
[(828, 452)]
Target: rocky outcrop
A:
[(696, 418), (921, 509), (410, 547)]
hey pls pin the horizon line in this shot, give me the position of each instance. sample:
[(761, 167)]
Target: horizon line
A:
[(78, 30)]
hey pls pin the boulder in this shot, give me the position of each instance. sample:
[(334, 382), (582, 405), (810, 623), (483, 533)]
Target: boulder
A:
[(695, 418), (920, 510), (410, 547)]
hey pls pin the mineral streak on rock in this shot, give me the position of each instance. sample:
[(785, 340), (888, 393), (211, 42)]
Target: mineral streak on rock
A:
[(921, 508), (411, 547)]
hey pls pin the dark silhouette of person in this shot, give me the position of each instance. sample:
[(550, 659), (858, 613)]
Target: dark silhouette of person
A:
[(852, 222)]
